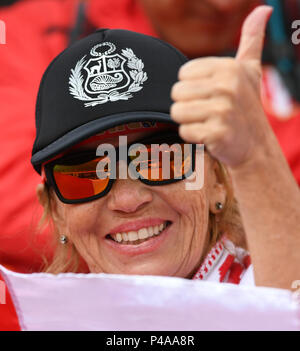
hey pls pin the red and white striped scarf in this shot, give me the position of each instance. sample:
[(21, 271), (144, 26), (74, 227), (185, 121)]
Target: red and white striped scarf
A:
[(225, 263)]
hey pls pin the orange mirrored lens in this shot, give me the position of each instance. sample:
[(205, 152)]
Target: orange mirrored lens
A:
[(164, 163), (79, 181)]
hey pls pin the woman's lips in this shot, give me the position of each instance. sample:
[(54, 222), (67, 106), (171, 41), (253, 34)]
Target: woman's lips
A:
[(136, 225), (150, 245)]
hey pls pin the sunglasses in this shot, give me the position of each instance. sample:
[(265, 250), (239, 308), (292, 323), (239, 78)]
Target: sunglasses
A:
[(156, 160)]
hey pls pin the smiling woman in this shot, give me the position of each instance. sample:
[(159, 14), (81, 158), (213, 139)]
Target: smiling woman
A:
[(137, 227), (117, 224), (116, 84)]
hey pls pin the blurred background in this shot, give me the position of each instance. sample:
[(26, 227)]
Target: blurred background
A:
[(38, 30)]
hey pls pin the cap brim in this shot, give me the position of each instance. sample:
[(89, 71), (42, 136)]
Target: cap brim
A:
[(91, 128)]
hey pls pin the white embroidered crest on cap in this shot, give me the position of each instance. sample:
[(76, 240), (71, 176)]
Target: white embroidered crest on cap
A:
[(107, 76)]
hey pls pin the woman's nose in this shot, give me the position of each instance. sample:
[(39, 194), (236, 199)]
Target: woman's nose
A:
[(128, 196)]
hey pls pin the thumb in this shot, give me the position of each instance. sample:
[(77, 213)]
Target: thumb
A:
[(253, 34)]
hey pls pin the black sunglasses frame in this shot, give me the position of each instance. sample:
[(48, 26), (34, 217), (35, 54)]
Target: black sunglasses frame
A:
[(90, 155)]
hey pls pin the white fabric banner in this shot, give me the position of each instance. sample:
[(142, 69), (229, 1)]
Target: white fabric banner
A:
[(121, 302)]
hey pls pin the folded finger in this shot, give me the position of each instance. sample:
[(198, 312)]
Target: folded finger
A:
[(201, 67), (207, 133), (198, 110), (201, 89), (192, 89)]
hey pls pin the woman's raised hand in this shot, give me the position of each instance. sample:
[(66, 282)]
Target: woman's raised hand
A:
[(218, 101)]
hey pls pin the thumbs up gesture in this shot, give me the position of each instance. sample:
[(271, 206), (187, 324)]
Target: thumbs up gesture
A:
[(217, 100)]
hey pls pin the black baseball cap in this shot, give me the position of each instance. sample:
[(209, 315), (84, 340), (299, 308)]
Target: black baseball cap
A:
[(108, 78)]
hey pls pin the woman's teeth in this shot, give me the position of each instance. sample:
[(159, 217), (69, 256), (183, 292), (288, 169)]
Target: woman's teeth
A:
[(140, 235)]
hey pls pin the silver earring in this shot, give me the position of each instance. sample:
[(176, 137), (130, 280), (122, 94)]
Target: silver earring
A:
[(219, 206), (63, 239)]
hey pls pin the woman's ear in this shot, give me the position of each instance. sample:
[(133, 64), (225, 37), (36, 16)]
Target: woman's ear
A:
[(218, 192)]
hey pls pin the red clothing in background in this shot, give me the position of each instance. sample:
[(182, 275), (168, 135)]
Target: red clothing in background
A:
[(9, 320), (37, 30)]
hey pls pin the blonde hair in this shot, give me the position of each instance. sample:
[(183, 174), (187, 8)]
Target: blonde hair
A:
[(67, 259)]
